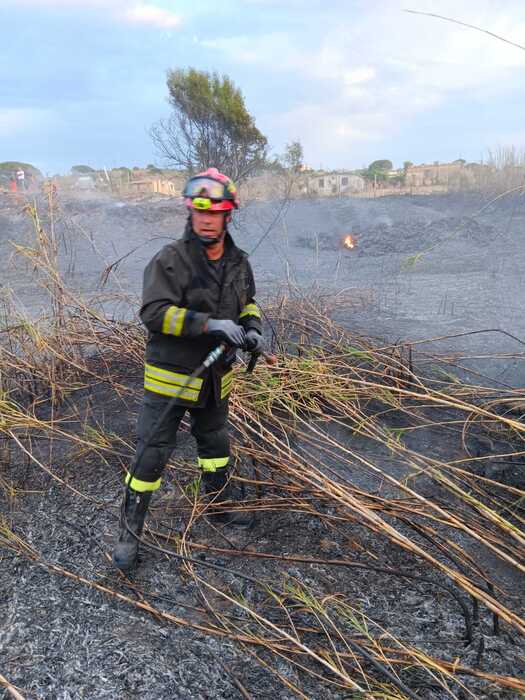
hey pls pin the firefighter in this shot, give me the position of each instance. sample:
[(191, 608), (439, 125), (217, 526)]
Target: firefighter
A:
[(198, 292)]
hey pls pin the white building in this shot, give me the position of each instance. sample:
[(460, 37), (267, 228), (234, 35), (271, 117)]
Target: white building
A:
[(335, 184)]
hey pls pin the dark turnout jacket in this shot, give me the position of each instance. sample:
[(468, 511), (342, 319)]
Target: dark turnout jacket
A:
[(181, 291)]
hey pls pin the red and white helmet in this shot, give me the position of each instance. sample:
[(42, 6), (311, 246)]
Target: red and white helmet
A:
[(211, 191)]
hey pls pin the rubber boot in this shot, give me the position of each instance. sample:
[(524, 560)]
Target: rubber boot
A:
[(133, 514), (218, 489)]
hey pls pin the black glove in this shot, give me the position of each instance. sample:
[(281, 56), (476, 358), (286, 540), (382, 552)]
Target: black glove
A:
[(227, 331), (254, 341)]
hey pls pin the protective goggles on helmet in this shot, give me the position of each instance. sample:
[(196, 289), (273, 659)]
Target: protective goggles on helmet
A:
[(201, 203), (205, 188)]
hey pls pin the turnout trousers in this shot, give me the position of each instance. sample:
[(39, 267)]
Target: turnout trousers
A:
[(208, 427)]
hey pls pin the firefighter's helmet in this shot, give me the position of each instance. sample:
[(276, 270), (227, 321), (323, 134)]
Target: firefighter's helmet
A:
[(211, 191)]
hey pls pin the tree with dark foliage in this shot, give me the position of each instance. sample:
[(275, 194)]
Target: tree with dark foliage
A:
[(82, 169), (378, 170), (209, 126)]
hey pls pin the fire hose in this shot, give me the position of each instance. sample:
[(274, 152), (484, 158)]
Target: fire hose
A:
[(209, 360)]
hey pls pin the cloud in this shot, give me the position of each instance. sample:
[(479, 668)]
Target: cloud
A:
[(129, 11), (68, 4), (14, 121), (152, 16), (328, 131), (360, 75), (375, 70)]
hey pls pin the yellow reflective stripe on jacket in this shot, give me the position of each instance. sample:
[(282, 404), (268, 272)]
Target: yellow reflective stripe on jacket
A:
[(211, 464), (176, 378), (141, 486), (169, 390), (173, 320), (166, 383), (226, 383), (250, 310)]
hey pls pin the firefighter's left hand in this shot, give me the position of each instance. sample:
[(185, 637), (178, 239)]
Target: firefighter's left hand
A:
[(254, 341)]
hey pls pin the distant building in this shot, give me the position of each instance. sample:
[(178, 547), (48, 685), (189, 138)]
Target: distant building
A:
[(336, 183), (152, 185), (438, 174), (85, 182)]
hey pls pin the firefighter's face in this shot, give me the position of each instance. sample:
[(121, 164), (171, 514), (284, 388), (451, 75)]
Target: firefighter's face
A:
[(209, 224)]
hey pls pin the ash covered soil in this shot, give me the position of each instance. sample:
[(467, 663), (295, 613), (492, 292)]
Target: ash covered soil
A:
[(61, 638)]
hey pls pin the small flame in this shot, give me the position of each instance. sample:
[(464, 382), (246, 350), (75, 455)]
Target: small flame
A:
[(348, 241)]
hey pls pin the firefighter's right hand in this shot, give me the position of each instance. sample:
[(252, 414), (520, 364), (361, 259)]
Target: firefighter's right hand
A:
[(228, 331)]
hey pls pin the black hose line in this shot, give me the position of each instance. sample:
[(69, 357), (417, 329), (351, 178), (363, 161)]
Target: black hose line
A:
[(213, 356), (210, 359), (381, 668)]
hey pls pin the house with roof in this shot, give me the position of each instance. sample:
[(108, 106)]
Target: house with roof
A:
[(333, 184)]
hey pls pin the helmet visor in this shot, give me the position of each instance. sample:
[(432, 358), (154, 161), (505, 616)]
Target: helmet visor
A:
[(205, 187)]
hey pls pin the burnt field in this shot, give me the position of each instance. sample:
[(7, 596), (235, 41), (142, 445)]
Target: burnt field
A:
[(423, 267), (383, 458)]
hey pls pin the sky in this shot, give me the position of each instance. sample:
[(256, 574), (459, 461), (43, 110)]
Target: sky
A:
[(82, 81)]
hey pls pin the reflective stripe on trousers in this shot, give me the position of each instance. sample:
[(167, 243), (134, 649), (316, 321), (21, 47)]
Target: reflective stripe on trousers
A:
[(226, 384), (208, 427)]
